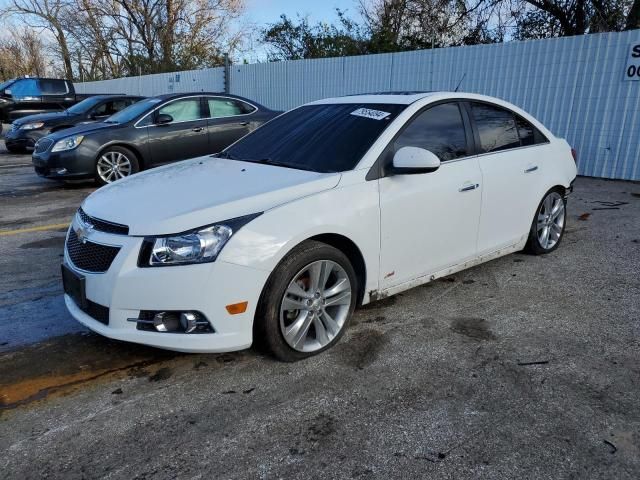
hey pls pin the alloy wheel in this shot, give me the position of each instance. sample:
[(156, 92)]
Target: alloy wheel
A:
[(113, 166), (315, 306), (550, 223)]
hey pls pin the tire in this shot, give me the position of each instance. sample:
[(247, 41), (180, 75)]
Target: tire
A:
[(16, 150), (124, 161), (549, 222), (326, 316)]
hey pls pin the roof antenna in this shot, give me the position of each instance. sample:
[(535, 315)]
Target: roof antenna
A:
[(460, 82)]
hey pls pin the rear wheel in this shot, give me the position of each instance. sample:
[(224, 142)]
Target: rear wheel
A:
[(115, 163), (307, 303), (548, 224)]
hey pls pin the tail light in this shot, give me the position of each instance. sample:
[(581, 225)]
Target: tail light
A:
[(574, 154)]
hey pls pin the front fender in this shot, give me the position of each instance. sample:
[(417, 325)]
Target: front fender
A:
[(351, 209)]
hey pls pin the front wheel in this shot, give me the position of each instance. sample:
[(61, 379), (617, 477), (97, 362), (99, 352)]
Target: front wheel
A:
[(307, 303), (15, 150), (114, 164), (548, 224)]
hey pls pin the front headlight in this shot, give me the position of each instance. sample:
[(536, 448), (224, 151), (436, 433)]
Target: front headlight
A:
[(197, 246), (32, 126), (67, 143)]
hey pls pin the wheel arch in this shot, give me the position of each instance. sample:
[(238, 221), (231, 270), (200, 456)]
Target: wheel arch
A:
[(136, 151), (353, 253)]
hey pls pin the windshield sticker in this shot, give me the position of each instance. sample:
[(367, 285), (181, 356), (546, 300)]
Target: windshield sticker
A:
[(368, 113)]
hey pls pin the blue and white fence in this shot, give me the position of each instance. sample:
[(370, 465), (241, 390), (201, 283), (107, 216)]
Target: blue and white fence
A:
[(585, 88)]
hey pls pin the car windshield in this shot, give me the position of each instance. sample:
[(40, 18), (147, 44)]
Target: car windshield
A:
[(320, 138), (133, 111), (85, 105)]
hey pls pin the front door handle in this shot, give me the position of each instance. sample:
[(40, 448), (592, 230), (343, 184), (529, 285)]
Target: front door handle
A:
[(197, 129), (244, 124), (533, 168), (468, 188)]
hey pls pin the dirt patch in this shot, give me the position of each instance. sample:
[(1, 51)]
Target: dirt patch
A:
[(53, 242), (475, 328), (72, 362), (363, 348)]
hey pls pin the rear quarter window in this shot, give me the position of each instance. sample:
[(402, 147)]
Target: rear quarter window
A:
[(529, 135)]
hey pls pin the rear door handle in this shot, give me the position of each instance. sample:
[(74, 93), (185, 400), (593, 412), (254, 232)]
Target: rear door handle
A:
[(468, 188), (533, 168), (244, 124), (197, 129)]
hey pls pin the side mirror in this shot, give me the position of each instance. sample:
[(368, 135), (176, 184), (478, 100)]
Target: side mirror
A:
[(409, 160), (164, 118)]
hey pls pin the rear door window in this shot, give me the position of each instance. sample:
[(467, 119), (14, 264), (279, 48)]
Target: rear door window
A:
[(53, 87), (439, 129), (227, 107), (496, 127)]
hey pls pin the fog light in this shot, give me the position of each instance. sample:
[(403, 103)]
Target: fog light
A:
[(61, 171), (166, 322), (172, 322), (189, 321)]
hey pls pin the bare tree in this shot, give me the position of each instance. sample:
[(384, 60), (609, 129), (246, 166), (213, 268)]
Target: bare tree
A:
[(48, 15), (21, 53)]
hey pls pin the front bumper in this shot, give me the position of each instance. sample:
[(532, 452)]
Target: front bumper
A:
[(125, 289), (25, 139), (69, 165)]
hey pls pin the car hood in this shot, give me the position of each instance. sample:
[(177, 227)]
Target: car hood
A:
[(199, 192), (47, 118), (83, 129)]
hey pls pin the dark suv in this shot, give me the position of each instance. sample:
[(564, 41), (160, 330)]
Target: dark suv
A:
[(24, 96), (26, 131)]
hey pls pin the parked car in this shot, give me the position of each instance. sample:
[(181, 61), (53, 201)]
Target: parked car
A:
[(334, 204), (152, 132), (24, 96), (25, 132)]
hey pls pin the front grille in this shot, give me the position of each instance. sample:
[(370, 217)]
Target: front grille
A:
[(43, 145), (89, 256), (103, 225), (14, 127), (97, 312)]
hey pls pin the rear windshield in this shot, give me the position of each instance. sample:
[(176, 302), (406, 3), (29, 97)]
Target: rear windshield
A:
[(321, 138), (85, 105), (134, 111)]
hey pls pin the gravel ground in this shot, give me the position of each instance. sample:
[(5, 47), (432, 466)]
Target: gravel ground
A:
[(524, 367)]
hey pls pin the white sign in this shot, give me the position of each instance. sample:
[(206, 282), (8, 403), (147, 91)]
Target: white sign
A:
[(632, 69), (369, 113)]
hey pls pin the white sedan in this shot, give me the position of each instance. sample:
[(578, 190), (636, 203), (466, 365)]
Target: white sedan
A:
[(332, 205)]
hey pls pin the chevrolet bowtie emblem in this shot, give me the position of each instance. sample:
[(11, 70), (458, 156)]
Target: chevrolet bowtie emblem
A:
[(83, 230)]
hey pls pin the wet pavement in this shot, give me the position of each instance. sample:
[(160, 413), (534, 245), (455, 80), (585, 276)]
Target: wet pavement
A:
[(525, 367)]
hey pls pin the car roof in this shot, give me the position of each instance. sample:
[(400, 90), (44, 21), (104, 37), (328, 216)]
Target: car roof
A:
[(169, 96), (406, 97), (115, 95)]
